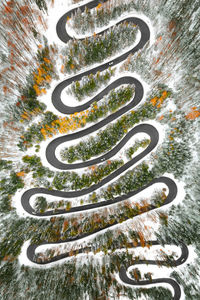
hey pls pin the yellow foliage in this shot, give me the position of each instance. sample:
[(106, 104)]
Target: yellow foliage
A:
[(43, 132), (164, 94), (25, 116), (20, 174), (48, 78), (154, 101), (39, 72), (98, 6), (75, 121), (37, 90), (43, 91)]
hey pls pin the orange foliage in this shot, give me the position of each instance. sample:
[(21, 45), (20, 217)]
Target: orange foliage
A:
[(48, 78), (164, 94), (158, 101), (7, 258), (98, 6), (62, 69), (64, 125), (20, 174), (135, 275), (25, 116), (153, 101), (135, 243), (37, 90), (141, 236), (47, 60), (8, 9), (41, 77), (5, 89), (43, 91), (193, 115), (43, 132), (159, 105), (71, 253), (148, 246), (24, 10), (65, 225)]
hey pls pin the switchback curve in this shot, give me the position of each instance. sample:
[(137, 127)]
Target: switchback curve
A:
[(50, 152)]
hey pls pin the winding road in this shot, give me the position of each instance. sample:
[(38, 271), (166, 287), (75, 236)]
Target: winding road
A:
[(144, 128)]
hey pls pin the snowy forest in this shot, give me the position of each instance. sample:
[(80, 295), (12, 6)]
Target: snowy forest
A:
[(99, 150)]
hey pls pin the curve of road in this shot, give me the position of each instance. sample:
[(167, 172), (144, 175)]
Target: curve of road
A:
[(146, 128), (177, 290)]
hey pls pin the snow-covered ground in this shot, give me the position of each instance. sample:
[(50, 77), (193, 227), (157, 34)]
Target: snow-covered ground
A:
[(16, 199), (56, 12), (133, 13), (119, 155), (47, 100), (144, 220), (144, 223), (68, 98), (159, 272)]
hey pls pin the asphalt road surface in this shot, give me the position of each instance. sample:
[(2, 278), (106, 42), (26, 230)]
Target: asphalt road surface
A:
[(142, 128)]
